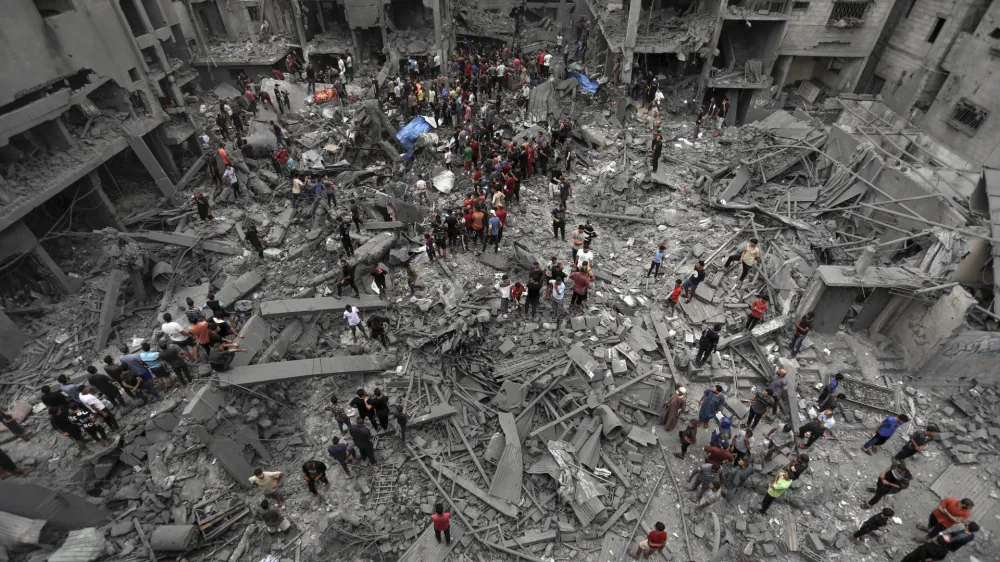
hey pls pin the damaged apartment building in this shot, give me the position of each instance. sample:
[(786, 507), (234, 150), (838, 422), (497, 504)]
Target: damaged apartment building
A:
[(96, 99)]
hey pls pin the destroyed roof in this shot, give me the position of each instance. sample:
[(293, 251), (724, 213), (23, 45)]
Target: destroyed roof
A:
[(224, 53)]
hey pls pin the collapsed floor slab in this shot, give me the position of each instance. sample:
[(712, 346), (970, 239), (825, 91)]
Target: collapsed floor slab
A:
[(301, 307), (287, 371)]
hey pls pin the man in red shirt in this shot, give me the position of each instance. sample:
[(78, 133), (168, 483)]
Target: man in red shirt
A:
[(757, 310), (223, 155), (442, 523), (655, 541), (675, 296), (718, 455), (580, 285), (949, 512), (502, 215)]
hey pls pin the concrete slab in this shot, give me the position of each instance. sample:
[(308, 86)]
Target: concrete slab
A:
[(112, 290), (391, 225), (427, 549), (233, 291), (287, 371), (256, 334), (204, 404), (188, 241), (437, 412), (231, 457), (301, 307)]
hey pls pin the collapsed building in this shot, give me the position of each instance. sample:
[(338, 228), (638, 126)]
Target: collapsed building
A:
[(541, 437)]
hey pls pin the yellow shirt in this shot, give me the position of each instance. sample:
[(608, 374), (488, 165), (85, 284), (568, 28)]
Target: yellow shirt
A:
[(267, 482), (751, 255)]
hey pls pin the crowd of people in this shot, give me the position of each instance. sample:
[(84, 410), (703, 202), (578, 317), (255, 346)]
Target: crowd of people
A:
[(728, 462)]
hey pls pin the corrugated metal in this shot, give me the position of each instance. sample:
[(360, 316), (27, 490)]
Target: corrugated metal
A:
[(546, 464), (15, 530), (506, 482), (970, 481), (589, 511), (83, 544), (613, 548)]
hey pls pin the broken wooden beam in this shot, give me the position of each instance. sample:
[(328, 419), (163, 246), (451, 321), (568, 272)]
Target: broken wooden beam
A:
[(108, 308), (437, 412), (501, 505)]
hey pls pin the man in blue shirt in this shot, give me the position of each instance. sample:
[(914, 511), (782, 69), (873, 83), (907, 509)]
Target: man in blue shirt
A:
[(654, 266), (884, 431), (963, 537), (341, 452), (493, 228), (134, 364), (830, 388), (711, 402)]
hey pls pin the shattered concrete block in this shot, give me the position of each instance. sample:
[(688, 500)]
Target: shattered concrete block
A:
[(638, 418), (829, 535), (817, 542), (635, 457)]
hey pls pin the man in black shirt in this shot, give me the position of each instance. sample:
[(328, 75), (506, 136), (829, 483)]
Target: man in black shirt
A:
[(315, 471), (115, 371), (832, 402), (534, 293), (85, 420), (451, 221), (345, 236), (254, 239), (64, 426), (798, 466), (934, 551), (53, 399), (801, 331), (401, 419), (341, 453), (347, 280), (105, 385), (356, 215), (706, 345), (876, 522), (222, 355), (918, 440), (657, 148), (362, 438), (380, 403), (170, 353), (365, 410), (379, 276), (379, 326)]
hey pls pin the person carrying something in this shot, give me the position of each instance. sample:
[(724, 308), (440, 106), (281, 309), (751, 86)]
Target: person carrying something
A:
[(877, 522), (315, 471)]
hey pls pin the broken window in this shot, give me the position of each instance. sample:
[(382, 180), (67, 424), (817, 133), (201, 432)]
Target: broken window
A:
[(938, 25), (800, 6), (848, 14), (995, 33), (254, 13), (967, 117), (49, 8)]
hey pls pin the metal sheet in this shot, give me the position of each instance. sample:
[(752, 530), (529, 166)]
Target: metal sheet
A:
[(506, 482)]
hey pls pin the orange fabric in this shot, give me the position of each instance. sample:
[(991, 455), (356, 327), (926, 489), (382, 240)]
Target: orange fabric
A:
[(951, 505), (200, 331)]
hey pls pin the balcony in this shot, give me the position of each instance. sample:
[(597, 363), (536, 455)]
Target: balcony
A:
[(771, 11)]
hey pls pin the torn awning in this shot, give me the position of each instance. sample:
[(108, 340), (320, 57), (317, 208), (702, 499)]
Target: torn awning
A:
[(588, 85)]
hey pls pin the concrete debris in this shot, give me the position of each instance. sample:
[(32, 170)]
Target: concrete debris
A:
[(734, 223)]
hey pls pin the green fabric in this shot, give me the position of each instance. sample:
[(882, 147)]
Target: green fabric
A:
[(779, 487)]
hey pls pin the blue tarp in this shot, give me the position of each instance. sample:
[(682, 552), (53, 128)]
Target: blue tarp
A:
[(588, 85), (409, 134)]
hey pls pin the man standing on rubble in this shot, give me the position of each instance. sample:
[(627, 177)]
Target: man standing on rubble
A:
[(749, 255), (816, 428), (315, 471), (884, 432), (60, 421), (352, 320), (347, 269), (778, 486), (267, 483), (759, 406), (581, 284), (711, 403), (362, 437), (657, 149), (917, 442), (779, 390), (345, 236), (707, 344), (355, 211), (341, 453), (802, 329), (830, 388), (559, 221)]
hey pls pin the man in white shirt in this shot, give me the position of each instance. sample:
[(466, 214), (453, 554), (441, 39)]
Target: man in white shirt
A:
[(180, 336), (342, 65), (816, 428), (234, 182), (350, 67), (437, 64), (205, 141), (95, 405), (558, 290), (585, 255), (547, 63), (504, 289), (421, 184), (658, 98), (352, 318)]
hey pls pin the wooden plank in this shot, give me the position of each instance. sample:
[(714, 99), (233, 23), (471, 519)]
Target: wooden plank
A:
[(502, 506), (108, 308)]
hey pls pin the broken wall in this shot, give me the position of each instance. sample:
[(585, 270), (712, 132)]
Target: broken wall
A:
[(922, 330), (61, 509), (38, 51), (967, 355)]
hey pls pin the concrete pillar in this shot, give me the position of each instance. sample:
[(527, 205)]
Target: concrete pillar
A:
[(138, 145), (865, 260), (198, 37), (780, 72), (632, 30), (67, 285), (319, 16), (299, 29), (357, 48), (158, 144), (56, 134), (12, 339), (436, 4), (102, 212), (812, 296), (385, 35), (147, 24), (707, 63)]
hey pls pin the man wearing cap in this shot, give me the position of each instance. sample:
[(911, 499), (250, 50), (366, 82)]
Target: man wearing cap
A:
[(949, 512), (675, 405)]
